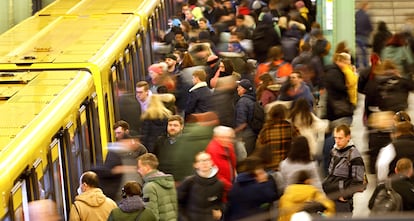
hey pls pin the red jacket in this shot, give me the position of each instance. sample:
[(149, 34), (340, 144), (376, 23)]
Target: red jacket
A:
[(225, 159)]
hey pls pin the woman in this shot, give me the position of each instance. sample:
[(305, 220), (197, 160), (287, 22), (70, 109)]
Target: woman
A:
[(397, 50), (308, 124), (268, 91), (154, 122), (273, 141), (200, 195), (301, 195), (131, 207), (299, 158), (226, 68)]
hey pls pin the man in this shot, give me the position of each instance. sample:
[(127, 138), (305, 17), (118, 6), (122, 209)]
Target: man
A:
[(159, 192), (401, 184), (121, 129), (244, 113), (401, 146), (171, 61), (200, 95), (166, 146), (91, 203), (223, 155), (129, 108), (363, 29), (346, 172), (143, 94)]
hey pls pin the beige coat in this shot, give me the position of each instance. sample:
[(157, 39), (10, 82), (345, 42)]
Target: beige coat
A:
[(91, 205)]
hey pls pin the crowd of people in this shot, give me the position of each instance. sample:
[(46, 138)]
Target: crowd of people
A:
[(186, 148)]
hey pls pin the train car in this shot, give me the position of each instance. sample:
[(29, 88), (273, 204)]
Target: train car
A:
[(58, 92), (47, 123)]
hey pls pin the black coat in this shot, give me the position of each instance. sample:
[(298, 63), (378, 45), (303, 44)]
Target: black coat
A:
[(151, 130), (334, 82), (198, 196), (130, 111)]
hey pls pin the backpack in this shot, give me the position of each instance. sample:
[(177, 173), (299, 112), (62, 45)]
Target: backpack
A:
[(257, 121), (385, 199), (274, 72)]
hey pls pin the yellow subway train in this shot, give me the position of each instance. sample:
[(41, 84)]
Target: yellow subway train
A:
[(59, 76)]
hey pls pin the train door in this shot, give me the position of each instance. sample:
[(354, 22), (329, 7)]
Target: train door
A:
[(55, 186), (27, 188), (70, 155), (124, 78)]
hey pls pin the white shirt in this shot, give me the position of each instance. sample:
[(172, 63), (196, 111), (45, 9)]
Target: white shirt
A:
[(385, 157)]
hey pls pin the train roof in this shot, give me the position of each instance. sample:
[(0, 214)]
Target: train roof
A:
[(91, 7), (75, 39), (22, 32), (58, 7)]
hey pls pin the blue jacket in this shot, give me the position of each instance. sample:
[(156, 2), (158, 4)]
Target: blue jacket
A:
[(198, 99), (244, 108), (248, 197)]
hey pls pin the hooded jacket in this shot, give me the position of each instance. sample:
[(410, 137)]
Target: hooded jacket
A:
[(91, 205), (129, 209), (160, 196), (295, 197)]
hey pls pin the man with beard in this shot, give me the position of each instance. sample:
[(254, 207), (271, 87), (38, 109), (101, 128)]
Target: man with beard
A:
[(167, 145)]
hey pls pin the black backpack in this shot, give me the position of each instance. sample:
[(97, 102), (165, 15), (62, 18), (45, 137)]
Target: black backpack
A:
[(257, 121), (385, 199)]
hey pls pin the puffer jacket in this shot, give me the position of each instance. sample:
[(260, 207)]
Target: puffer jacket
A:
[(160, 196), (129, 209), (91, 205)]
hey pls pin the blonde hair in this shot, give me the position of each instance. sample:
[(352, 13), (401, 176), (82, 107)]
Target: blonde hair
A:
[(156, 109), (343, 56)]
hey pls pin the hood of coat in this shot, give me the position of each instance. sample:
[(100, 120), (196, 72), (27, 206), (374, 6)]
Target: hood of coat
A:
[(131, 204), (93, 197), (299, 193), (166, 181)]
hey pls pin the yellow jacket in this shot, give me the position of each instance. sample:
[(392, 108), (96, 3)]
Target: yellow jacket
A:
[(296, 195), (351, 81)]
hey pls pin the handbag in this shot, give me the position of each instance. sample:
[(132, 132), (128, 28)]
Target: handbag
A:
[(342, 108)]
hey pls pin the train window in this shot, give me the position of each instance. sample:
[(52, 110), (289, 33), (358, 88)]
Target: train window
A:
[(135, 63), (163, 16), (108, 119), (95, 129), (149, 39), (142, 56), (83, 134), (129, 70), (114, 90), (35, 186)]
